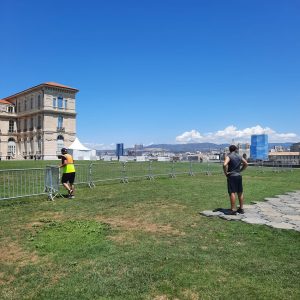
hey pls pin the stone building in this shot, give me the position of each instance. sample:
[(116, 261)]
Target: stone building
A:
[(292, 158), (37, 122)]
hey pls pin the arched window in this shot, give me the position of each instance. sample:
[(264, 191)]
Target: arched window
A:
[(60, 143), (11, 147)]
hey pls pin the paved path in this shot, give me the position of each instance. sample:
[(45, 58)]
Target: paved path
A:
[(282, 212)]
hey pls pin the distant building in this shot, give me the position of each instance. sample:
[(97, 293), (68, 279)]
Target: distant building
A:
[(37, 122), (138, 149), (295, 147), (244, 150), (259, 148), (119, 150), (292, 158), (278, 148)]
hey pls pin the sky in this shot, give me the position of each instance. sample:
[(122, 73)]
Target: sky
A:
[(161, 71)]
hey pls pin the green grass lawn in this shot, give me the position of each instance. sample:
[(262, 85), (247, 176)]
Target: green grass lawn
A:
[(146, 240)]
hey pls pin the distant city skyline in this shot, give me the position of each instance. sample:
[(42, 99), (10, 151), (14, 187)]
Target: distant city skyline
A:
[(169, 71)]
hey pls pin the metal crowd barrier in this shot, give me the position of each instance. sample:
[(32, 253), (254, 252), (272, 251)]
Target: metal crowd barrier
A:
[(19, 183), (273, 166)]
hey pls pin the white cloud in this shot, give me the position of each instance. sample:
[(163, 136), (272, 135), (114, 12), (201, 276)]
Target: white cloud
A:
[(192, 136), (233, 133), (100, 146)]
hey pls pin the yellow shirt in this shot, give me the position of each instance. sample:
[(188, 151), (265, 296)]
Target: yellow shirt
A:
[(69, 167)]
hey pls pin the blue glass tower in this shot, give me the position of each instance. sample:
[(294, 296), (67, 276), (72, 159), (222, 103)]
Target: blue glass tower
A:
[(120, 149), (259, 148)]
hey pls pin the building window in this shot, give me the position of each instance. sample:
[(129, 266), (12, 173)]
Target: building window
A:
[(31, 103), (31, 124), (10, 109), (39, 144), (39, 101), (54, 102), (11, 126), (60, 102), (66, 104), (60, 143), (39, 122), (18, 125), (60, 121), (25, 105), (25, 125)]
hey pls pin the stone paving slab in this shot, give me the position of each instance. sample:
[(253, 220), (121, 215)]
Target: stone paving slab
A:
[(281, 212), (210, 213), (231, 217), (281, 225)]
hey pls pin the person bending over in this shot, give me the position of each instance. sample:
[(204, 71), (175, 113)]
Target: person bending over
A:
[(68, 177)]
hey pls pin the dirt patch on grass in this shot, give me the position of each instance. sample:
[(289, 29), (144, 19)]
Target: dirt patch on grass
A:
[(12, 253), (41, 219), (161, 297), (191, 295), (4, 279), (132, 224)]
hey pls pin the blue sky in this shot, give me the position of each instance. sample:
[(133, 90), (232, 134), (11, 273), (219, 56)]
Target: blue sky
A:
[(161, 71)]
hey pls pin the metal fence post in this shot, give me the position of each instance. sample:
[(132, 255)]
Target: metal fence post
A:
[(172, 174), (124, 178), (191, 173), (52, 182), (90, 177), (207, 169), (150, 171)]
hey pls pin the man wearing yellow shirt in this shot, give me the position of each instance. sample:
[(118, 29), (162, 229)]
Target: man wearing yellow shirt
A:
[(68, 177)]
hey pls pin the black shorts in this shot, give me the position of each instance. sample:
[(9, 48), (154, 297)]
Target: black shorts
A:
[(68, 177), (235, 184)]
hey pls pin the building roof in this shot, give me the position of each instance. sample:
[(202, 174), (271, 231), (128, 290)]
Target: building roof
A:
[(4, 102), (52, 84), (59, 85), (286, 153)]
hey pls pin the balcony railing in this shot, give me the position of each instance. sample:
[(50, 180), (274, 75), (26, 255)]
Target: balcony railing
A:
[(60, 129)]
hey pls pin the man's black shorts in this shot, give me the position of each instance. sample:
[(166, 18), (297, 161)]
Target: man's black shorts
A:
[(68, 177), (235, 184)]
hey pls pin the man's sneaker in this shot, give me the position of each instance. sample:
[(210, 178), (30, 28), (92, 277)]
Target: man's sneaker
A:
[(230, 212), (71, 196), (240, 211)]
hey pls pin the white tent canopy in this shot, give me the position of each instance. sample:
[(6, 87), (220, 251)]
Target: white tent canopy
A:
[(80, 152)]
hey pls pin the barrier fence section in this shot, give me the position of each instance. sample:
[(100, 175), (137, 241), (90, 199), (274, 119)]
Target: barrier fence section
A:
[(274, 166), (17, 183), (52, 180)]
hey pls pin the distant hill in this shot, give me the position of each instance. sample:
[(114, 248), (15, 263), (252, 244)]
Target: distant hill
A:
[(192, 147), (202, 147), (284, 145)]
